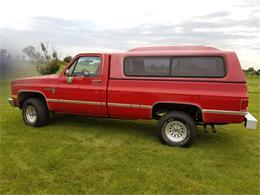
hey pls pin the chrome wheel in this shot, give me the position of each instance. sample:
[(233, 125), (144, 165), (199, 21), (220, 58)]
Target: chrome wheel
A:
[(31, 114), (176, 131)]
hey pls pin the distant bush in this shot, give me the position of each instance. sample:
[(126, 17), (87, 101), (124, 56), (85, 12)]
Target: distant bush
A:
[(252, 71), (45, 63), (67, 59)]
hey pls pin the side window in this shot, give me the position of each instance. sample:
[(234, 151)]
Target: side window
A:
[(198, 67), (86, 66), (186, 66), (147, 66)]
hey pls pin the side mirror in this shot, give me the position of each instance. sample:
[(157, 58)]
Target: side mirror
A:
[(67, 73), (69, 76)]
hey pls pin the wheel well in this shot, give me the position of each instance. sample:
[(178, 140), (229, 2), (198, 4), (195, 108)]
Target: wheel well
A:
[(160, 109), (22, 96)]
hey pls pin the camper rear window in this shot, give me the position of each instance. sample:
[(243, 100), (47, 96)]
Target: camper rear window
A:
[(198, 66)]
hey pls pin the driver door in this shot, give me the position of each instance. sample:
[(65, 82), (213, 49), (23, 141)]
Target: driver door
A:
[(79, 90)]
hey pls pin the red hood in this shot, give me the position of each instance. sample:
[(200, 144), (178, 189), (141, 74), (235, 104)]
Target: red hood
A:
[(36, 80)]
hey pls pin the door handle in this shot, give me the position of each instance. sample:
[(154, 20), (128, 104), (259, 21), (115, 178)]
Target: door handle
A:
[(96, 81)]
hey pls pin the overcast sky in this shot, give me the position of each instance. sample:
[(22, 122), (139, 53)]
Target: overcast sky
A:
[(78, 26)]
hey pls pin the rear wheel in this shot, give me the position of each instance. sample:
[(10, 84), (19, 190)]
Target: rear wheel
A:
[(177, 128), (35, 112)]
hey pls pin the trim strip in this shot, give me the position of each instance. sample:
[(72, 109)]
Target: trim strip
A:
[(52, 100), (74, 102), (211, 111), (130, 105), (100, 103), (119, 105), (224, 112), (79, 102), (146, 106), (135, 105)]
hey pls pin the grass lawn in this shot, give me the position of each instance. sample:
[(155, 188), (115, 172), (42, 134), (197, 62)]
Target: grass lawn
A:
[(76, 154)]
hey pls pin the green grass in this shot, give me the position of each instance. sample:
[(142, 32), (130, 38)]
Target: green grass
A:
[(76, 154)]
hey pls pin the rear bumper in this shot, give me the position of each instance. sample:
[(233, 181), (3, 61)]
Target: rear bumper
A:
[(250, 121), (11, 102)]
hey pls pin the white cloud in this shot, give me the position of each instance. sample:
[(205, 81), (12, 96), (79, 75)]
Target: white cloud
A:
[(75, 26), (116, 13)]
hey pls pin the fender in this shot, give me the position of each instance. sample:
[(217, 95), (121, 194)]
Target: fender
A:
[(31, 91), (174, 102)]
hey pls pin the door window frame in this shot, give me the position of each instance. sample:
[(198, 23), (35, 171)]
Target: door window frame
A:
[(76, 58)]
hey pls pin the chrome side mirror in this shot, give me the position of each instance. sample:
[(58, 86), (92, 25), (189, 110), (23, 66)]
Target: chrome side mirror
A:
[(67, 73), (69, 76)]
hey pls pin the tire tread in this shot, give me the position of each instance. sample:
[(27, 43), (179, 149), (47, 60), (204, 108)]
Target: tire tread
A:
[(41, 109), (184, 117)]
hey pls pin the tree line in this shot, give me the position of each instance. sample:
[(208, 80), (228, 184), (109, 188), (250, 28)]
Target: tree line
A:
[(252, 71)]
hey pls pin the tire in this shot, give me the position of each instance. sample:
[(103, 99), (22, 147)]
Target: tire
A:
[(176, 128), (35, 112)]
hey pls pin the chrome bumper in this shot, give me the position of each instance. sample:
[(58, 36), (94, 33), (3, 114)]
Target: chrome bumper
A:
[(250, 121), (11, 102)]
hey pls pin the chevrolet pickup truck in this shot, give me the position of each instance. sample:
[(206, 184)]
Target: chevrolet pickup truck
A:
[(181, 86)]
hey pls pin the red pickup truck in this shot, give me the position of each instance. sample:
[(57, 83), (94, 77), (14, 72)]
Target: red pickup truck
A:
[(181, 86)]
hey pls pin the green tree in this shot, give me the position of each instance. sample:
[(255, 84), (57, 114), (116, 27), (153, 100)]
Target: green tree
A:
[(45, 62), (5, 58), (67, 59), (3, 53), (6, 62), (258, 72), (30, 52), (251, 69)]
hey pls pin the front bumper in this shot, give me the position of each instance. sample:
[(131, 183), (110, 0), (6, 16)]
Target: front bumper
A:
[(250, 121), (11, 102)]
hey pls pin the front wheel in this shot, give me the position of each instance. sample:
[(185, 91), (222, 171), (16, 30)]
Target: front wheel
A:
[(177, 128), (35, 112)]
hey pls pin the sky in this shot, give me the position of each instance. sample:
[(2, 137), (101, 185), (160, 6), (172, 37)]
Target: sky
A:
[(77, 26)]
